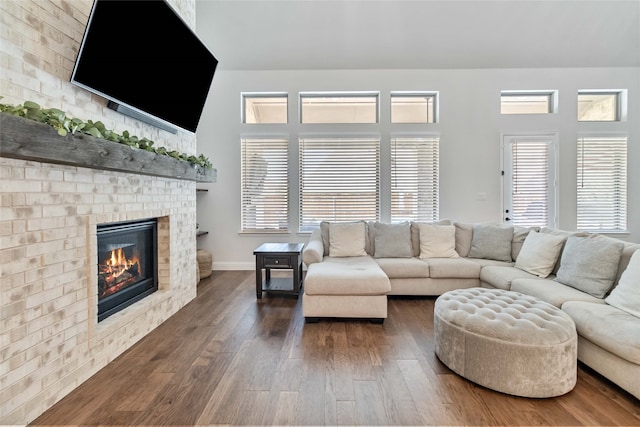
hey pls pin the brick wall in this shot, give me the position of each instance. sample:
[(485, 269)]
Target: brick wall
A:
[(50, 340)]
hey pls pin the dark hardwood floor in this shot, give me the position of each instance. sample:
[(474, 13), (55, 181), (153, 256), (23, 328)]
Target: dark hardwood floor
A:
[(227, 358)]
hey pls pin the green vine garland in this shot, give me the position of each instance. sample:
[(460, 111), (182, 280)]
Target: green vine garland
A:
[(58, 120)]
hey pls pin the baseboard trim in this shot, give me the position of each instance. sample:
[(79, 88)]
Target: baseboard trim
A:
[(233, 266)]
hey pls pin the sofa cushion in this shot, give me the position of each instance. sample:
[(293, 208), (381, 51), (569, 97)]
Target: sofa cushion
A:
[(551, 291), (370, 238), (453, 268), (614, 330), (392, 240), (628, 251), (482, 262), (491, 242), (400, 268), (590, 263), (464, 234), (540, 253), (501, 277), (324, 232), (346, 276), (626, 295), (347, 239), (519, 236), (313, 251), (415, 233), (566, 234), (438, 241)]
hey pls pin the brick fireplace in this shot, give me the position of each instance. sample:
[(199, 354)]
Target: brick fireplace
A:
[(51, 339), (127, 264)]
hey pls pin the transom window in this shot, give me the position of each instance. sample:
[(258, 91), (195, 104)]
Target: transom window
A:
[(598, 106), (413, 107), (527, 102), (339, 107), (263, 108)]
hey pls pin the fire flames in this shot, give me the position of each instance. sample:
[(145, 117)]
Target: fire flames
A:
[(117, 272)]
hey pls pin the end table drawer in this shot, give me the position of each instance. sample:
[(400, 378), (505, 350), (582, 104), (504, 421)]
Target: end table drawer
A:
[(277, 261)]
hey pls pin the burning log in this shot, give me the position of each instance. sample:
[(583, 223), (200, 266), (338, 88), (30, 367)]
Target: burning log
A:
[(117, 272)]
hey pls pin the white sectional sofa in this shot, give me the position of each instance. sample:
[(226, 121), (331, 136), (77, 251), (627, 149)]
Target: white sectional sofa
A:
[(593, 278)]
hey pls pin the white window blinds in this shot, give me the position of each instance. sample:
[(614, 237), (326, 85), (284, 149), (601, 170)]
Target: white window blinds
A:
[(339, 180), (265, 198), (602, 184), (530, 183), (414, 179)]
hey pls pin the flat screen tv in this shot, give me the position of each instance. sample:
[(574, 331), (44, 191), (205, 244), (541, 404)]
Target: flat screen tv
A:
[(142, 57)]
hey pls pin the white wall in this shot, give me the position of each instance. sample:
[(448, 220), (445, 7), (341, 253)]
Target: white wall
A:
[(470, 126)]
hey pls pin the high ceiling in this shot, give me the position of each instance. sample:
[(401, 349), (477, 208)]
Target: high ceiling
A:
[(420, 34)]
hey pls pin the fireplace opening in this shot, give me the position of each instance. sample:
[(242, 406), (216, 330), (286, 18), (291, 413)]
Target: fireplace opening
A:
[(127, 264)]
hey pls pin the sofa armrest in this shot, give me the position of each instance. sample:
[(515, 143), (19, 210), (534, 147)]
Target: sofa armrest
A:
[(314, 250)]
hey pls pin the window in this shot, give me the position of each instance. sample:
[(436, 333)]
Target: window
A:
[(598, 106), (339, 180), (602, 184), (413, 107), (263, 108), (265, 201), (414, 179), (338, 107), (527, 102), (529, 180)]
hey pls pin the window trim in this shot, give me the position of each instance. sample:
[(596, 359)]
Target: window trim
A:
[(339, 94), (551, 94)]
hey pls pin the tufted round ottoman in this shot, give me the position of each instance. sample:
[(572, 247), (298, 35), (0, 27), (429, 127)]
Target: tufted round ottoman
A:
[(506, 341)]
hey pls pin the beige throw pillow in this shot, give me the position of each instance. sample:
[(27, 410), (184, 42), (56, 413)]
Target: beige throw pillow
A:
[(438, 241), (626, 295), (415, 233), (539, 253), (519, 235), (346, 239)]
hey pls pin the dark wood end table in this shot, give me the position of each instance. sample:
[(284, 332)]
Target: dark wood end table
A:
[(280, 256)]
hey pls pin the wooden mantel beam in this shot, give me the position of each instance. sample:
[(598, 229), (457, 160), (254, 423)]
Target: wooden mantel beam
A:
[(26, 139)]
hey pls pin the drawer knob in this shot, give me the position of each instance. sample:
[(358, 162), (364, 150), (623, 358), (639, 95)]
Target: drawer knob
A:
[(277, 261)]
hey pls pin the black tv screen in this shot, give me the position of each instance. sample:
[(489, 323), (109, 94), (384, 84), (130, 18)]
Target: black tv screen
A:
[(142, 56)]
